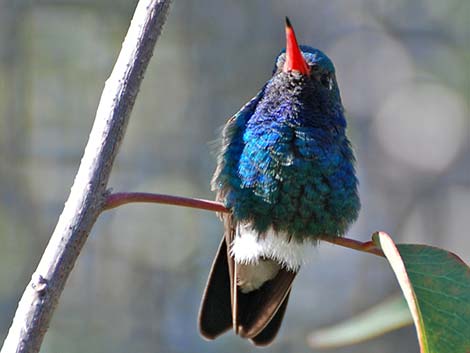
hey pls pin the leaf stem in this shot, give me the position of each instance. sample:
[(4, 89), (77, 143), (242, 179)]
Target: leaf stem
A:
[(114, 200)]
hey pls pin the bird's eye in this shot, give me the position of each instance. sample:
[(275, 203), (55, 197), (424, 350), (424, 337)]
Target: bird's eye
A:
[(326, 81), (314, 67)]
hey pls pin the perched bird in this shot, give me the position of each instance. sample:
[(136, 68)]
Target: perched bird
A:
[(285, 169)]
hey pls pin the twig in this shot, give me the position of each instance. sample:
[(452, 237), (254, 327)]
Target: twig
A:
[(367, 246), (88, 192), (122, 198)]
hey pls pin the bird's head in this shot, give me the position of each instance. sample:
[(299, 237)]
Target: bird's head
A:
[(306, 61), (304, 71)]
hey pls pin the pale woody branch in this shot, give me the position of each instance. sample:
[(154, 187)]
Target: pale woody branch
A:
[(88, 194)]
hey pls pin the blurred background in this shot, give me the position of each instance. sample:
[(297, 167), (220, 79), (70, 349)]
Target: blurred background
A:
[(403, 69)]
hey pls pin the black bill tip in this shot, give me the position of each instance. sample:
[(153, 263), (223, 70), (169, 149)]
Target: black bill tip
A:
[(288, 24)]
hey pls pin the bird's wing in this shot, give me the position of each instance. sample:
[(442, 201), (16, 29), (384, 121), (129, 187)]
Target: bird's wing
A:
[(267, 335), (260, 312), (256, 315), (215, 314)]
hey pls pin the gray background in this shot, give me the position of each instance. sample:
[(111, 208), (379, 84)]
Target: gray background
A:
[(403, 70)]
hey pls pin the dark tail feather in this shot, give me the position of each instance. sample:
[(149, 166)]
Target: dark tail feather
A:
[(215, 315), (260, 312), (266, 336)]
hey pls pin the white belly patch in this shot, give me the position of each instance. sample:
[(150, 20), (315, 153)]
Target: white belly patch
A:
[(248, 248)]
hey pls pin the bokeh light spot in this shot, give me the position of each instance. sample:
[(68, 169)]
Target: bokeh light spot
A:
[(423, 125)]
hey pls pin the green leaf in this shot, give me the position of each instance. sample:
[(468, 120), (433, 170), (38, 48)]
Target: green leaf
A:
[(436, 286), (384, 317)]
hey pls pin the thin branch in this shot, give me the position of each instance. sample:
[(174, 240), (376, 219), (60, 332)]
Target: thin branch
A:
[(88, 192), (367, 246), (122, 198)]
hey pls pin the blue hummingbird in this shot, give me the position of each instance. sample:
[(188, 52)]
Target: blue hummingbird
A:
[(286, 171)]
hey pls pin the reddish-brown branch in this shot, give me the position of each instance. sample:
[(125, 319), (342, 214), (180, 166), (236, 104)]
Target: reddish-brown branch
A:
[(122, 198), (367, 246)]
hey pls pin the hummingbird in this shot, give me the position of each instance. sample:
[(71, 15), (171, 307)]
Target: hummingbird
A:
[(286, 171)]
